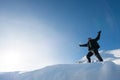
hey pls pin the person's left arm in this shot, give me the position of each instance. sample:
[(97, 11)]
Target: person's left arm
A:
[(98, 36)]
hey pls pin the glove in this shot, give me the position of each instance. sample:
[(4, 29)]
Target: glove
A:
[(99, 32), (79, 45)]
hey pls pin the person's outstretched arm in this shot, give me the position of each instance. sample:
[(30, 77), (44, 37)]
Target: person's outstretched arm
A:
[(83, 45), (98, 36)]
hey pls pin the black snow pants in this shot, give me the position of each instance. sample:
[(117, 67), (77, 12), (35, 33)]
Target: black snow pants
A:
[(96, 53)]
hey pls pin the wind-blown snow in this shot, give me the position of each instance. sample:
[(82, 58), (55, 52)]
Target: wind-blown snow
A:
[(111, 55), (107, 70)]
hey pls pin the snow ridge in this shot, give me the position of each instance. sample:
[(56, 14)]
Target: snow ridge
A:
[(94, 71), (107, 70)]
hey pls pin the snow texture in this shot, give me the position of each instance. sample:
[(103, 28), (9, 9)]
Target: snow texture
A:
[(107, 70)]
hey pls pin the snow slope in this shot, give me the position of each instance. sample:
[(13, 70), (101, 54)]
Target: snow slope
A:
[(107, 70), (94, 71)]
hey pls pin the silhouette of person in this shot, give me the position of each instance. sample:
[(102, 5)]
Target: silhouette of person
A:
[(93, 47)]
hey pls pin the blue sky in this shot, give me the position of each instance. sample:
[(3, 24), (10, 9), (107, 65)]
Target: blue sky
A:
[(38, 33)]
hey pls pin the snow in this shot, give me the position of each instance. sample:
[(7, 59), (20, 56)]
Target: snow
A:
[(107, 70)]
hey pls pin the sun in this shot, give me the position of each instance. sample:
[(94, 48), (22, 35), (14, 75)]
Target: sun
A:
[(11, 62), (11, 59)]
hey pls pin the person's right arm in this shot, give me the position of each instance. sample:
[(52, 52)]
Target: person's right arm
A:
[(83, 45)]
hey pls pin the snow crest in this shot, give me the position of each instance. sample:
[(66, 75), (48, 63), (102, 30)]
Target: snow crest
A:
[(94, 71), (107, 70)]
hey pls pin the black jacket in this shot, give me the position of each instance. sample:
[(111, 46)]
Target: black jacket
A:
[(92, 44)]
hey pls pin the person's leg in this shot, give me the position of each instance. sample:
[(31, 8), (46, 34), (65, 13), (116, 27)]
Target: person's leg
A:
[(88, 56), (98, 55)]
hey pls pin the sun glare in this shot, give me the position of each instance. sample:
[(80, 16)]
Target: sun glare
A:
[(11, 62)]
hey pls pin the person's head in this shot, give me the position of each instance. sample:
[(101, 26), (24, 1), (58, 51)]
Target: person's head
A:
[(89, 38)]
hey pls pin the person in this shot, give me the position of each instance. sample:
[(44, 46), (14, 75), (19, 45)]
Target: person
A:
[(93, 47)]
